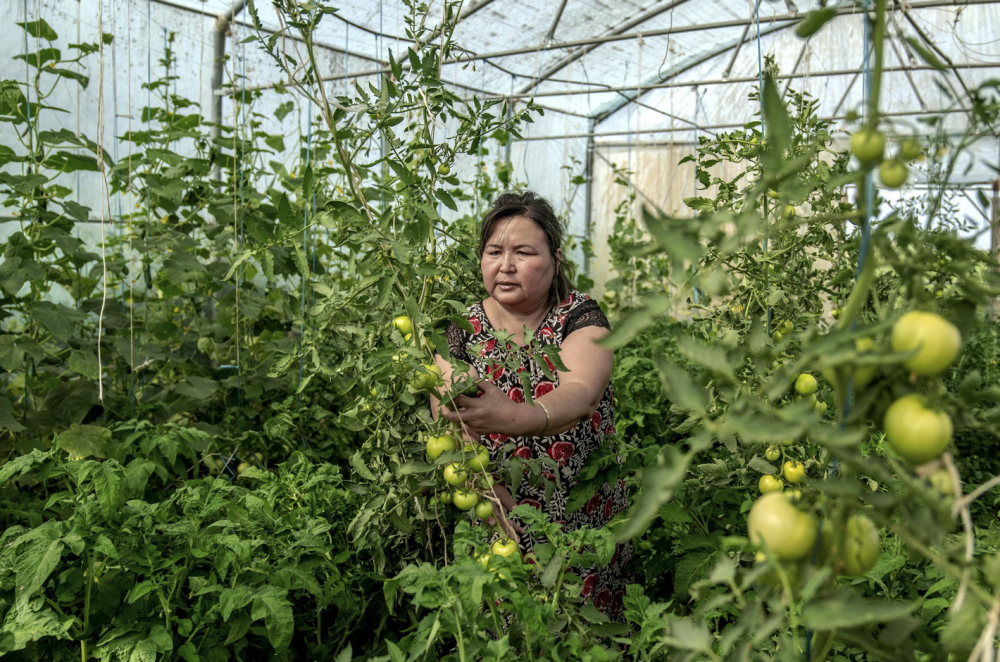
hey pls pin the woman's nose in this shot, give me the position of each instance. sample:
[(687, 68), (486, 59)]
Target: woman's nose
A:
[(506, 263)]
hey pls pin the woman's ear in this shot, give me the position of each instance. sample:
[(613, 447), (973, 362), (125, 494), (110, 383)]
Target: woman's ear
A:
[(559, 258)]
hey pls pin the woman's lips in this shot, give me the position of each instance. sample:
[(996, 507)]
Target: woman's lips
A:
[(506, 287)]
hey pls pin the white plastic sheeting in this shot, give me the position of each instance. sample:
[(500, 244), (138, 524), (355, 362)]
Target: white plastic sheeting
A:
[(661, 72)]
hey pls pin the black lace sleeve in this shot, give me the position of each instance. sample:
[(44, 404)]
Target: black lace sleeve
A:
[(456, 342), (588, 313)]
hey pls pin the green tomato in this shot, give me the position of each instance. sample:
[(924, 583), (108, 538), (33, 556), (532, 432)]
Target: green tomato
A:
[(787, 327), (219, 464), (465, 499), (404, 324), (916, 433), (936, 340), (859, 549), (868, 145), (504, 548), (445, 497), (910, 149), (893, 173), (783, 529), (768, 484), (805, 384), (794, 472), (243, 466), (478, 458), (260, 457), (428, 376), (438, 445), (484, 509), (788, 213), (454, 474), (941, 481), (444, 170), (772, 454)]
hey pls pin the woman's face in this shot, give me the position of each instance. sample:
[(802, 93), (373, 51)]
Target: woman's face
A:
[(517, 266)]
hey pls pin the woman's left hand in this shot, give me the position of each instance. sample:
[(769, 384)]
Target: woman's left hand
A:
[(491, 412)]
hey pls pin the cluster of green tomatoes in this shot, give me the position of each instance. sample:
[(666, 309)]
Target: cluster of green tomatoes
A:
[(914, 429), (466, 480), (868, 145)]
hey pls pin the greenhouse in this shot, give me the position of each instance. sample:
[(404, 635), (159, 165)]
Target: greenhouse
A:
[(405, 330)]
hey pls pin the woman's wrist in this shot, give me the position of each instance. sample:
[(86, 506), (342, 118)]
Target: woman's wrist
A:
[(537, 420)]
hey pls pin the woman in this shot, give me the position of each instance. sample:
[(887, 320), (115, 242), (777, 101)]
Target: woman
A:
[(522, 268)]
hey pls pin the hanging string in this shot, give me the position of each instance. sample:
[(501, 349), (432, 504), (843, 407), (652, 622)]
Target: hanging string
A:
[(510, 113), (131, 280), (103, 195), (114, 145), (763, 133), (242, 132), (31, 170), (305, 239), (628, 125), (149, 165), (479, 151)]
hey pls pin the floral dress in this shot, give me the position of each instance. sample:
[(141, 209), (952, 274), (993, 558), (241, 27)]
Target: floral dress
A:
[(605, 585)]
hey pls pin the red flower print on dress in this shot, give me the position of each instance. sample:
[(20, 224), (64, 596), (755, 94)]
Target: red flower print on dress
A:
[(609, 508), (490, 345), (562, 319), (522, 452), (495, 373), (498, 439), (617, 602), (544, 387), (593, 504), (589, 584), (548, 362), (609, 429), (517, 395), (546, 331), (477, 326), (549, 477), (530, 502), (595, 421), (568, 301), (615, 557), (602, 599), (561, 451)]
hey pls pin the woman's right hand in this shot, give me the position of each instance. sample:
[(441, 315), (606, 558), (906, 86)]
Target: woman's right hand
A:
[(511, 529)]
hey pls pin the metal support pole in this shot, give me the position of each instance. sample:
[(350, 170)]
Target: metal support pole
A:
[(220, 29)]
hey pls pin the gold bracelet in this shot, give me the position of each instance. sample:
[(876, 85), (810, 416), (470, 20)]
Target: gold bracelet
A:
[(547, 420)]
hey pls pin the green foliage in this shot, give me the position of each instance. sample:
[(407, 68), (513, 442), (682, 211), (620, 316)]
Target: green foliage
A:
[(155, 505)]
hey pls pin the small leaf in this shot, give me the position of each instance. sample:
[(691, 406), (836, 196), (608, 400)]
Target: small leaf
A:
[(39, 30), (848, 610), (680, 388), (700, 204), (444, 197)]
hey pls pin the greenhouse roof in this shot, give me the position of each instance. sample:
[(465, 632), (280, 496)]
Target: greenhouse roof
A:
[(591, 57)]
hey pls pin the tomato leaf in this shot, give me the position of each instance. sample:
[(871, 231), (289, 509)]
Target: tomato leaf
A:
[(271, 604), (813, 21), (925, 53), (848, 609), (446, 198)]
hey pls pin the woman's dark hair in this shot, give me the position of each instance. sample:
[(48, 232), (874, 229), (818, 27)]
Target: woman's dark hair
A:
[(533, 206)]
